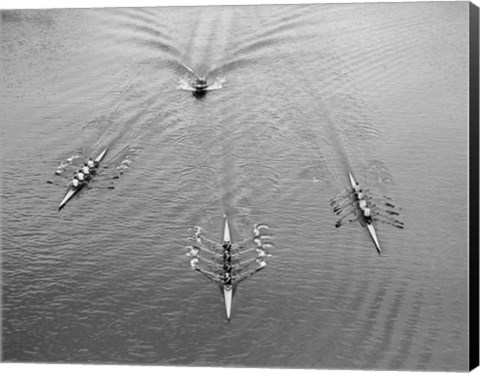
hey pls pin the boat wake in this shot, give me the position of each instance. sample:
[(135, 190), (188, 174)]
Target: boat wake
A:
[(125, 161), (66, 164), (66, 169)]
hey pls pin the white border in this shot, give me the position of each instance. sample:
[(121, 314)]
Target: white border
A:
[(62, 368), (48, 4), (30, 4)]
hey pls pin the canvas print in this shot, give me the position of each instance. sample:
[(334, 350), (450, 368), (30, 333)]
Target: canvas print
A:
[(270, 186)]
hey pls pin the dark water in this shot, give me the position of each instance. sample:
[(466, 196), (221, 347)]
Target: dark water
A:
[(309, 92)]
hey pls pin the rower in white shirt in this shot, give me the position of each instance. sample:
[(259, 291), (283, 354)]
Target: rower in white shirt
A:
[(80, 176), (75, 181)]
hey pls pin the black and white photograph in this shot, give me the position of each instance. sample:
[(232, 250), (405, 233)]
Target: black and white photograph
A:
[(258, 185)]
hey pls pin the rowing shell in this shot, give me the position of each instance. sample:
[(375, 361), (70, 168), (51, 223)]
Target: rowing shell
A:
[(227, 289), (72, 191), (370, 227)]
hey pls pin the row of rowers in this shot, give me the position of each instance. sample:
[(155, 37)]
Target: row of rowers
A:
[(362, 203), (85, 173)]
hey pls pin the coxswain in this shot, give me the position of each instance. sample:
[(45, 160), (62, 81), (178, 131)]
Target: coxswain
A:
[(90, 163)]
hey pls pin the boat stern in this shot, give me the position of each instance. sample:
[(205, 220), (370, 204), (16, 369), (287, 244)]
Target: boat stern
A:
[(228, 297), (373, 234)]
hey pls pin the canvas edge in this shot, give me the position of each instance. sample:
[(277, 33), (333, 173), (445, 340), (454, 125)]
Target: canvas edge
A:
[(474, 188)]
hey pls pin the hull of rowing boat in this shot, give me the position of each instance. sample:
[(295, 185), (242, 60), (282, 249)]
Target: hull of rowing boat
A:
[(226, 233), (73, 190), (370, 227), (373, 234), (227, 289), (69, 195), (228, 297), (352, 180), (101, 156)]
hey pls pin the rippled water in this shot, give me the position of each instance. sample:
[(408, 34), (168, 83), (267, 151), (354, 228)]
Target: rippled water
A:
[(310, 92)]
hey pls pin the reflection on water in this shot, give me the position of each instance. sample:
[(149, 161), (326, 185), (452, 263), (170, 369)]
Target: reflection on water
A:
[(309, 92)]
